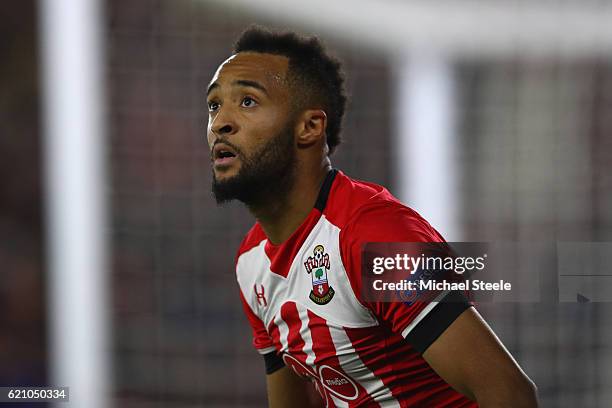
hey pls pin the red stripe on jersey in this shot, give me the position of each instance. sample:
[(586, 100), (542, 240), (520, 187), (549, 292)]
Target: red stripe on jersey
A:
[(325, 355), (289, 314), (373, 350), (275, 335), (322, 343), (411, 380), (322, 347)]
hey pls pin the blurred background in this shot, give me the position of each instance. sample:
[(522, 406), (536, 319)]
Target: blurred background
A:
[(500, 135)]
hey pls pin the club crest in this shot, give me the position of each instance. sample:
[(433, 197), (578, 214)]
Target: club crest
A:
[(317, 266)]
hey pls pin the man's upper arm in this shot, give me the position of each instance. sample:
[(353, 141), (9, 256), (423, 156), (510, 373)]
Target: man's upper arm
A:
[(419, 321), (452, 337), (471, 358)]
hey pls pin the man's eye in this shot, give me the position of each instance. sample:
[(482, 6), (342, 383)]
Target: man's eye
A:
[(248, 102), (213, 106)]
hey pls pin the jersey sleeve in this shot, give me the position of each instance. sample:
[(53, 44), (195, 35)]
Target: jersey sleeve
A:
[(419, 322), (261, 339)]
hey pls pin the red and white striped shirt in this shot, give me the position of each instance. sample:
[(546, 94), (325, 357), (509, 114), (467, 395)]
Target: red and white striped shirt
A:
[(302, 299)]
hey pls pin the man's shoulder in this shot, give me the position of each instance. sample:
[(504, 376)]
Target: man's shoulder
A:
[(369, 209), (348, 196)]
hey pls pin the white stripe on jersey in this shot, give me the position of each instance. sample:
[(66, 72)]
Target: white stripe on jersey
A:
[(357, 370), (305, 333), (266, 350), (283, 332)]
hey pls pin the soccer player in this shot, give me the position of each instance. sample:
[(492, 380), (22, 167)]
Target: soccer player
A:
[(275, 110)]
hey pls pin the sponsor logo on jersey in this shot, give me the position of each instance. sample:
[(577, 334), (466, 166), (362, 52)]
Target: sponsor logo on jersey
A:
[(328, 380), (317, 267)]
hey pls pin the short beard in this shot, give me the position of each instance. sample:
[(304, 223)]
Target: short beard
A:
[(267, 175)]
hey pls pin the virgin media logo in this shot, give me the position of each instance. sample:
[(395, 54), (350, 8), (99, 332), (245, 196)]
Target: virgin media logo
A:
[(327, 379)]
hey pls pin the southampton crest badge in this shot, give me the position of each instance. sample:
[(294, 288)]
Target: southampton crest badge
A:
[(317, 266)]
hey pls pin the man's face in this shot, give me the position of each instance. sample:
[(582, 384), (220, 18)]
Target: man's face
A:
[(250, 128)]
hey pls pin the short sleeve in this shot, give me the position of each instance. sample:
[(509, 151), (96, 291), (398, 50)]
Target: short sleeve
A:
[(420, 322), (261, 339)]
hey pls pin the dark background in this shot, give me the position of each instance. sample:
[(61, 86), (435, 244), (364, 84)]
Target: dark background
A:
[(22, 297)]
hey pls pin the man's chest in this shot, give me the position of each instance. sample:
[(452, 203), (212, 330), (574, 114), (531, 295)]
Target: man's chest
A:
[(311, 275)]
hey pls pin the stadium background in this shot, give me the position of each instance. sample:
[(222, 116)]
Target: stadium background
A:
[(532, 139)]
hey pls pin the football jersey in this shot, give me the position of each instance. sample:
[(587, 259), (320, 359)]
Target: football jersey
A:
[(302, 299)]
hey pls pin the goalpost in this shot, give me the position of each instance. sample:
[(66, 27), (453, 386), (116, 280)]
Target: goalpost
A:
[(72, 44)]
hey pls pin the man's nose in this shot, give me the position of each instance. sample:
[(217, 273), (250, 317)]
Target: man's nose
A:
[(224, 124)]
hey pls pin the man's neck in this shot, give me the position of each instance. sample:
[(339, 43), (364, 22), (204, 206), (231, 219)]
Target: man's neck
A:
[(280, 218)]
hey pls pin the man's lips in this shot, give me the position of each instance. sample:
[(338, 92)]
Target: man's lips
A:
[(224, 161), (223, 154)]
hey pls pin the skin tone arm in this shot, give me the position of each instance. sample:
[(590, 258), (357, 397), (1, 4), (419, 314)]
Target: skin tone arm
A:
[(472, 360)]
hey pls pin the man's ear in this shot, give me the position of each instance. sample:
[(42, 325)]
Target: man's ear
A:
[(311, 127)]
